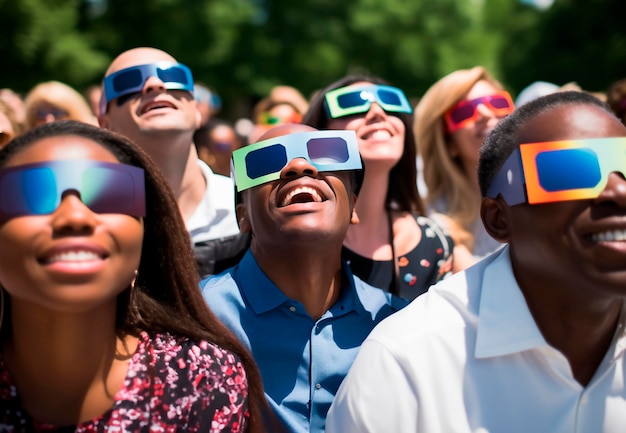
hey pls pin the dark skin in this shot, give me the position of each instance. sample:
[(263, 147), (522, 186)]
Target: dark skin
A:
[(573, 283), (297, 241)]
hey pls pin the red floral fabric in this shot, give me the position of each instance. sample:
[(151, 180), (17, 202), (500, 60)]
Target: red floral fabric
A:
[(172, 385)]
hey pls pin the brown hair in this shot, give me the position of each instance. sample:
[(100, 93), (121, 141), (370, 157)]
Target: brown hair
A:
[(443, 175)]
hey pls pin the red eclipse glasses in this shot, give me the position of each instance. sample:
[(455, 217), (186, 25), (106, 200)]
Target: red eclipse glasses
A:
[(465, 112)]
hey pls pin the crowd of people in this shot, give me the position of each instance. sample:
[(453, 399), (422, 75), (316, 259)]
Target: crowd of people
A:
[(347, 262)]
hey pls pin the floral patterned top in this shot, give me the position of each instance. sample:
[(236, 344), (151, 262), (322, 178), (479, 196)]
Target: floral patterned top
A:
[(172, 384), (429, 262)]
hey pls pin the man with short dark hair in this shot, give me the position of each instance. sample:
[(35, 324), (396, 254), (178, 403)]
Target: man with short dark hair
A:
[(531, 338), (291, 299)]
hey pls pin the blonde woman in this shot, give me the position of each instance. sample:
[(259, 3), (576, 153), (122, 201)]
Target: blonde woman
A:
[(52, 100), (451, 121)]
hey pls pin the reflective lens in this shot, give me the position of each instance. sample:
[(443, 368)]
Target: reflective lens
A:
[(358, 99), (37, 189), (262, 162), (266, 160), (175, 76), (465, 113), (559, 170)]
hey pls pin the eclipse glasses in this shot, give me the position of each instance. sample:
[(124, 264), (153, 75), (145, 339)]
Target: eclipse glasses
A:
[(175, 76), (466, 112), (350, 100), (37, 189), (559, 170), (262, 162)]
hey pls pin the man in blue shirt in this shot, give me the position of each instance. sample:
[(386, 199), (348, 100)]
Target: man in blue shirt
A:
[(291, 299)]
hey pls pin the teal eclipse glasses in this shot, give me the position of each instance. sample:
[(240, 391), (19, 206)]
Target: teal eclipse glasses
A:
[(559, 170), (37, 189), (358, 99), (175, 76), (262, 162)]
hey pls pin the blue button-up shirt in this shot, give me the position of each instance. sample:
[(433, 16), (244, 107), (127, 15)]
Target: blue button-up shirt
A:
[(302, 361)]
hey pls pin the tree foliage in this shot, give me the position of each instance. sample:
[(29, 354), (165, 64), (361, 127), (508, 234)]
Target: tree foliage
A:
[(242, 48)]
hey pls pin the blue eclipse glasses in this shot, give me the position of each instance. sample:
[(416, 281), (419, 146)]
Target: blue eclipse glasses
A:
[(175, 76), (349, 100), (37, 189), (262, 162)]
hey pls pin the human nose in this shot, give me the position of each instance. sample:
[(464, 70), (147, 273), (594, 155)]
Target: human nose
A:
[(298, 167), (72, 215), (614, 191), (153, 84), (484, 112), (375, 112)]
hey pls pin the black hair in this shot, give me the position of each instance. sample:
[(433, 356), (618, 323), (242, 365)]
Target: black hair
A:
[(503, 139), (402, 193), (166, 296)]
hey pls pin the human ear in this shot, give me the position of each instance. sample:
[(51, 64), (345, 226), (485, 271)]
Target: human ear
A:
[(103, 121), (354, 219), (494, 213), (242, 218)]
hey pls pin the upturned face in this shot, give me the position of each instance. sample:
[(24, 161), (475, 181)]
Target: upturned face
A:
[(464, 143), (304, 206), (581, 244), (153, 110), (380, 134), (72, 260)]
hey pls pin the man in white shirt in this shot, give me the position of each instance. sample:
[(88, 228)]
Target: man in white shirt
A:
[(530, 339), (148, 97)]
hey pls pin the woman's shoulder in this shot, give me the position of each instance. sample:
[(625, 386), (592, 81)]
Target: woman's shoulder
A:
[(434, 230)]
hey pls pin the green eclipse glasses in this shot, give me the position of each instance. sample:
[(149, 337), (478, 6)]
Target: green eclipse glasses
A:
[(262, 162), (175, 76), (559, 170), (37, 189), (350, 100)]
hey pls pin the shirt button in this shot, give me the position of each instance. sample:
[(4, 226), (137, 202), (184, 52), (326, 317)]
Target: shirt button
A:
[(318, 386), (292, 309), (584, 399)]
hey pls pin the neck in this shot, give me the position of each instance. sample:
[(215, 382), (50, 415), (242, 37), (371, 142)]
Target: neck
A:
[(179, 165), (581, 329), (67, 367), (370, 237), (312, 277)]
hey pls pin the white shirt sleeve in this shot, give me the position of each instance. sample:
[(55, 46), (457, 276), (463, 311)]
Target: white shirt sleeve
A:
[(376, 395)]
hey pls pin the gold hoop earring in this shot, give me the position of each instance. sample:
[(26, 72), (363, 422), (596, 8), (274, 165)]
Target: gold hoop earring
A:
[(135, 314), (132, 283)]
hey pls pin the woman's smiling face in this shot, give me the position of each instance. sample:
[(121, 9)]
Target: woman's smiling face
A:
[(381, 135), (74, 259)]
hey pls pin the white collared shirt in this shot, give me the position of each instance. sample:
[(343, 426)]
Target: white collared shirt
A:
[(215, 215), (466, 357)]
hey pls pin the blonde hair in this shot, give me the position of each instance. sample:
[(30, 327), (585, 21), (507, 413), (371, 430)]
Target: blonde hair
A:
[(443, 175), (61, 96)]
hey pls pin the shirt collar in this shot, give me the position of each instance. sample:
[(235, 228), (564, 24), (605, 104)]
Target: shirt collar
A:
[(506, 325), (263, 295)]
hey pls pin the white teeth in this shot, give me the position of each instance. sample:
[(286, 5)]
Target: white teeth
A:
[(380, 134), (609, 236), (74, 256), (302, 190)]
